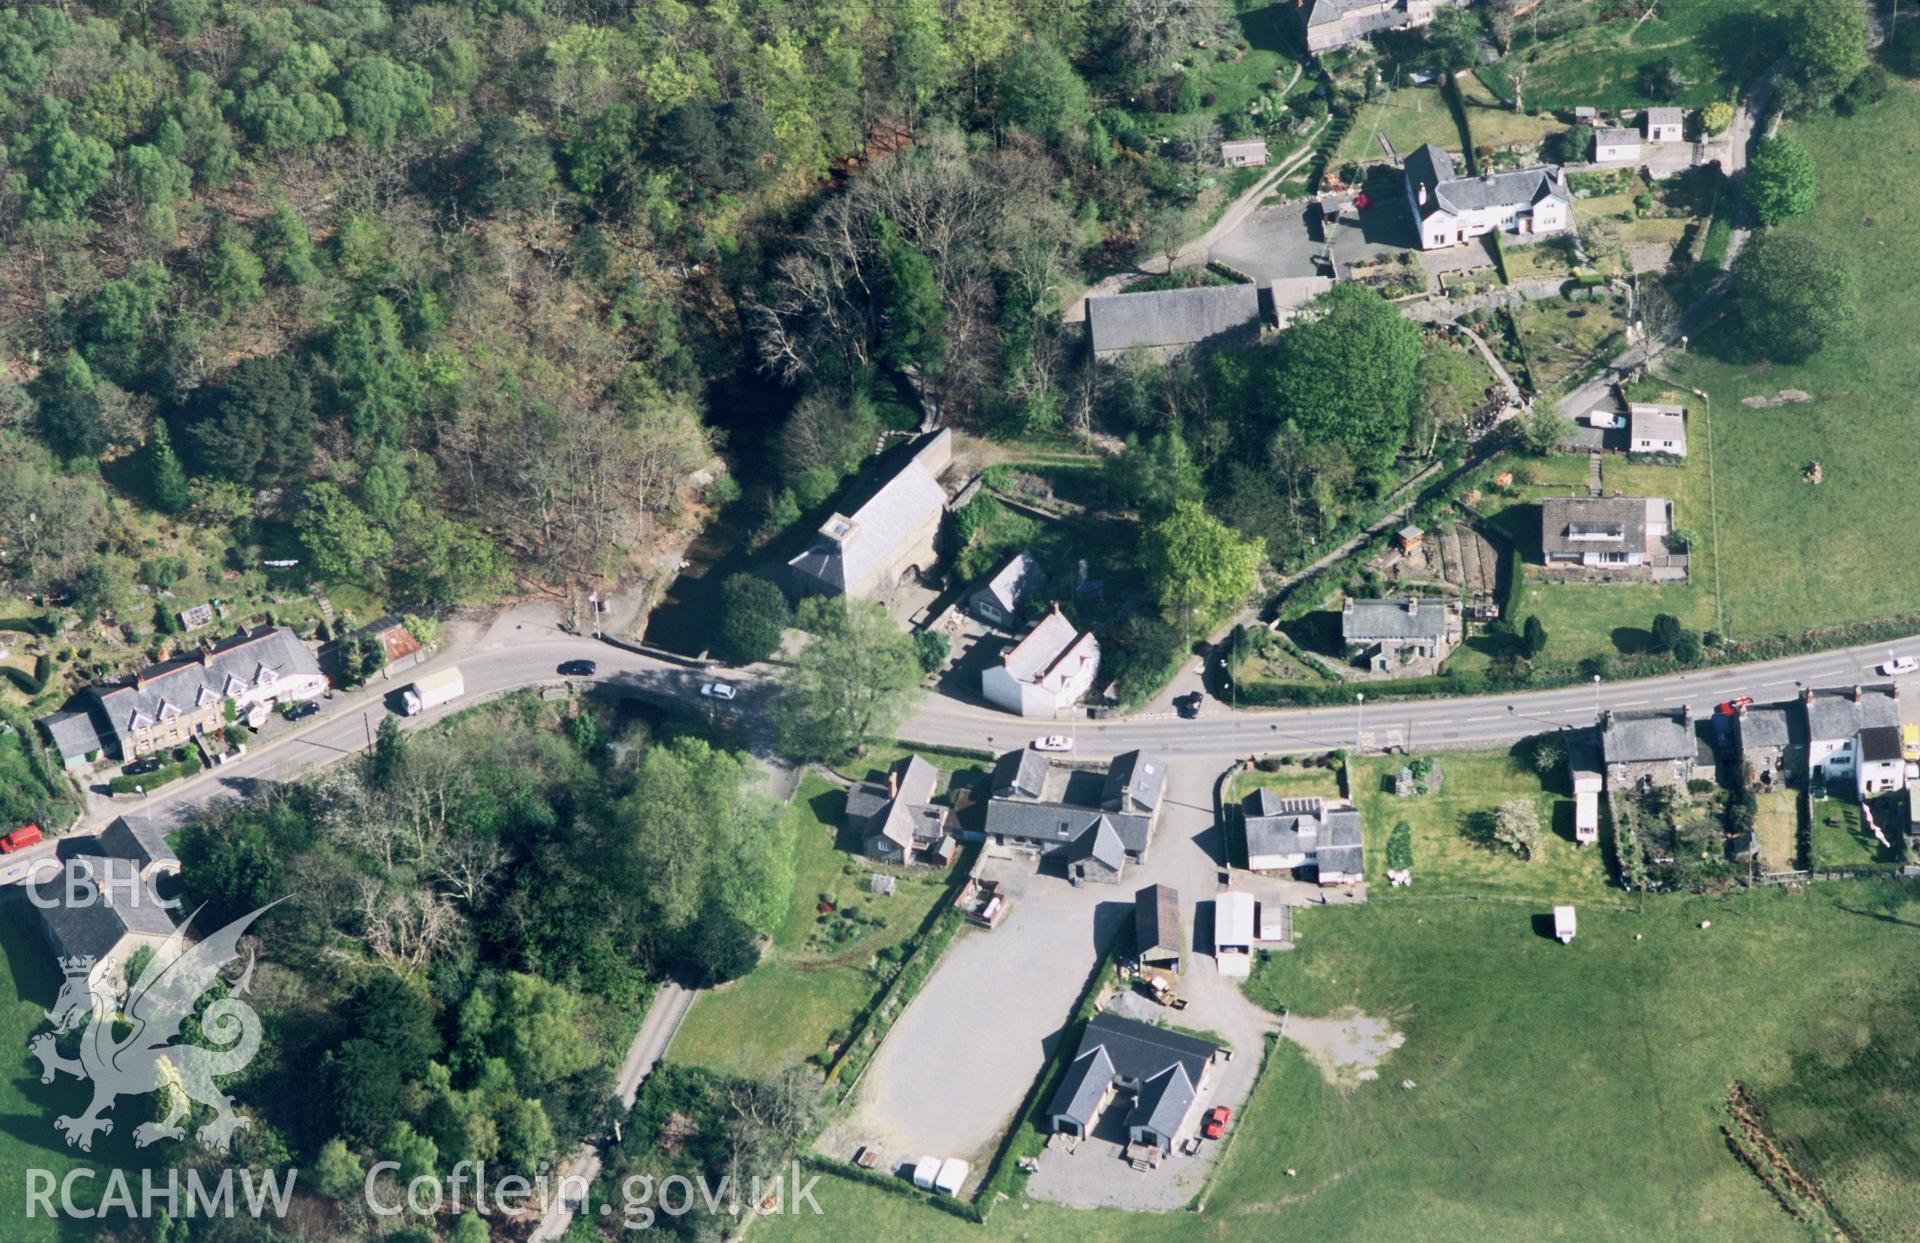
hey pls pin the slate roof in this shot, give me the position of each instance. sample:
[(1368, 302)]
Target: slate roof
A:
[(1832, 714), (1048, 646), (1019, 578), (1135, 781), (1170, 316), (1086, 1082), (1578, 524), (911, 817), (1666, 116), (1101, 843), (848, 549), (77, 728), (1340, 848), (1163, 1103), (1766, 725), (1244, 146), (93, 929), (1643, 737), (228, 667), (1338, 13), (1879, 742), (1140, 1051), (1615, 136), (1156, 919), (1023, 771), (1369, 621), (1057, 824), (141, 843), (1431, 167)]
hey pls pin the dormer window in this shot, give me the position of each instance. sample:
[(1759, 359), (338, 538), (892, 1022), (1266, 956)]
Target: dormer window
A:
[(234, 686), (206, 696), (167, 710), (265, 677)]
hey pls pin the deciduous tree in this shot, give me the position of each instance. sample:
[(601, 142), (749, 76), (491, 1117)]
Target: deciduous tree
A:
[(1196, 567), (1794, 293), (851, 684), (1516, 826), (1781, 182)]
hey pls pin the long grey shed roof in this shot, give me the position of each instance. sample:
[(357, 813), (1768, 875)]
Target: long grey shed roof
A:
[(1169, 317), (1372, 620), (1060, 825), (1140, 1050), (1156, 919)]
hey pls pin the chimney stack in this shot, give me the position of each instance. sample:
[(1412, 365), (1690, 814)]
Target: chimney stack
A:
[(1686, 713), (1421, 194), (893, 783), (1606, 719), (1807, 697), (1739, 709), (1856, 692)]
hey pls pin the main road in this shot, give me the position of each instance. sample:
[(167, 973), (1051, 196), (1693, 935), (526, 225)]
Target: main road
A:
[(500, 666)]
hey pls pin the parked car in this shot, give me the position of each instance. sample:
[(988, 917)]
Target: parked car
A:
[(718, 690), (140, 767), (1910, 741), (21, 838), (301, 711), (1893, 666), (1053, 742), (1732, 706), (1188, 706), (1216, 1124), (577, 669)]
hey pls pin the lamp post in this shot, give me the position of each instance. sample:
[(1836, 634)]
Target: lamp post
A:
[(1596, 696), (1359, 720)]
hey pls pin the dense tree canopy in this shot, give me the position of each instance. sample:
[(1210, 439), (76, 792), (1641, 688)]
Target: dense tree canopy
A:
[(1781, 182), (1348, 374), (853, 682), (1795, 293)]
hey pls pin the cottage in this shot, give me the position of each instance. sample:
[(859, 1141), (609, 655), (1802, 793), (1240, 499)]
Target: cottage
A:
[(1772, 739), (168, 704), (1666, 125), (1855, 734), (1050, 669), (124, 910), (1654, 747), (1003, 598), (1157, 939), (1333, 24), (1233, 933), (1603, 532), (1038, 808), (888, 540), (1451, 209), (1280, 834), (897, 820), (1163, 1071), (1400, 636), (1616, 146), (1655, 428), (1165, 321), (1244, 153)]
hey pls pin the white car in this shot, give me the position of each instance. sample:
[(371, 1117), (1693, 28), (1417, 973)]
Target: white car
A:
[(718, 690), (1053, 742), (1897, 665)]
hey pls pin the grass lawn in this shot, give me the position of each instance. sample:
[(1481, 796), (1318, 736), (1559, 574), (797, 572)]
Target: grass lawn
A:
[(1451, 850), (1796, 555), (1841, 839), (811, 984), (1598, 62), (1776, 825), (1570, 1092), (1494, 124), (1562, 336), (1405, 118), (28, 1140)]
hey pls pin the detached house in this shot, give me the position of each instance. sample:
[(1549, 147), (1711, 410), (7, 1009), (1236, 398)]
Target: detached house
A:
[(1333, 24), (1655, 428), (1163, 1072), (1666, 124), (888, 540), (168, 704), (1002, 599), (1281, 834), (1395, 636), (1603, 532), (1450, 209), (1050, 669), (128, 910), (1656, 747), (1051, 813), (897, 820), (1854, 734)]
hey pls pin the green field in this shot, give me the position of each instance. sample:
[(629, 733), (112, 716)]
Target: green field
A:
[(1796, 555), (1564, 1092), (1405, 118), (812, 983), (28, 1140), (1451, 853), (1598, 61)]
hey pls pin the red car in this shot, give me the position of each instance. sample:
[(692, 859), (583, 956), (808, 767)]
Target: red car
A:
[(21, 838), (1732, 706), (1216, 1124)]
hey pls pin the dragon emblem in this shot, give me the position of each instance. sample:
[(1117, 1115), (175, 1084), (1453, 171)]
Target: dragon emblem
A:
[(151, 1011)]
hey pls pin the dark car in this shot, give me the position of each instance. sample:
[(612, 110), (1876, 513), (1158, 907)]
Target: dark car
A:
[(1188, 706), (578, 669), (301, 711), (140, 767)]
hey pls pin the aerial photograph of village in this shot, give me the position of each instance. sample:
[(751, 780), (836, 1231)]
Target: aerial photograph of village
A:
[(959, 621)]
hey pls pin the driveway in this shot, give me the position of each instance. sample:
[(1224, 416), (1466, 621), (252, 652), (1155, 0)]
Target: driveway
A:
[(957, 1064)]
